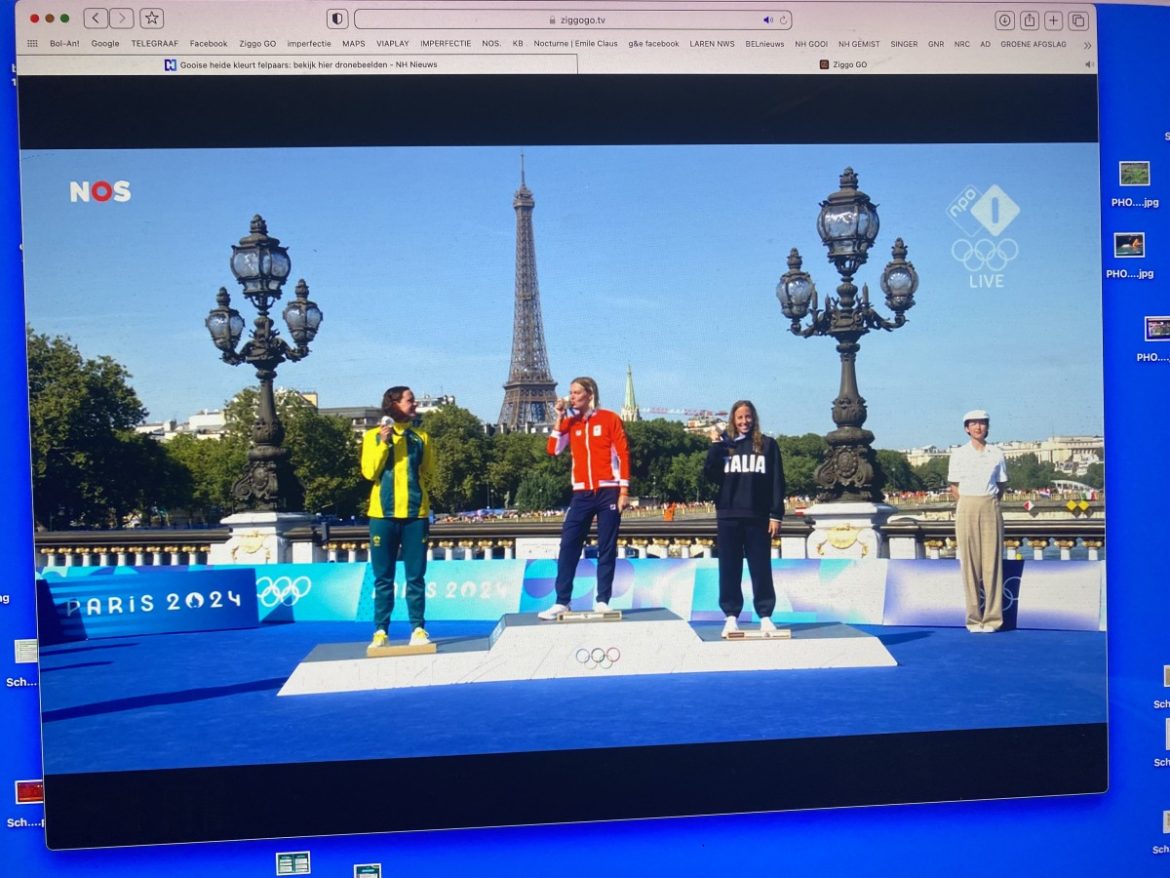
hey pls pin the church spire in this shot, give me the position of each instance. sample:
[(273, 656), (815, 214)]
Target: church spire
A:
[(630, 410)]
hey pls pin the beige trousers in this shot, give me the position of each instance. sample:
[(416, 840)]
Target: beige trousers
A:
[(979, 534)]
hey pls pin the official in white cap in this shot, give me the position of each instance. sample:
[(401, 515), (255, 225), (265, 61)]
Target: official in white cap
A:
[(977, 474)]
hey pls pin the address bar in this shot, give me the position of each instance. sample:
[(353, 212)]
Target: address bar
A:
[(593, 19)]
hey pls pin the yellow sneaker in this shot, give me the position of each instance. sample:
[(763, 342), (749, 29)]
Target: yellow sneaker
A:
[(419, 637), (380, 638)]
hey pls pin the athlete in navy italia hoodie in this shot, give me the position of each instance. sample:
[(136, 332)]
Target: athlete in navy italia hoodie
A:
[(746, 466)]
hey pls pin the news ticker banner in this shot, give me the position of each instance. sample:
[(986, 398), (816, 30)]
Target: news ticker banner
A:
[(115, 601)]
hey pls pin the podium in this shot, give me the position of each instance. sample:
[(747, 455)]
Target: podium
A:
[(647, 641)]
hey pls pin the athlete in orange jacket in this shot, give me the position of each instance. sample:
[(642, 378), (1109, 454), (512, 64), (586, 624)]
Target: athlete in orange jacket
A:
[(601, 483)]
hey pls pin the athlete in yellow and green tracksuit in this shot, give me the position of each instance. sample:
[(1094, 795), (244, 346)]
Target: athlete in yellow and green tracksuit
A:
[(397, 458)]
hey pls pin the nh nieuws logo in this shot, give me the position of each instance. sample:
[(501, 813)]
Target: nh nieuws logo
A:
[(101, 191)]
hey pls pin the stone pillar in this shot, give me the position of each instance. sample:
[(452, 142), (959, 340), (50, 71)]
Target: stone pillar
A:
[(793, 547), (847, 530), (258, 538), (1011, 548), (1038, 547), (904, 547)]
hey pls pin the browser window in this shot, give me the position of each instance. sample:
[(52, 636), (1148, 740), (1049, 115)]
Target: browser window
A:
[(867, 217)]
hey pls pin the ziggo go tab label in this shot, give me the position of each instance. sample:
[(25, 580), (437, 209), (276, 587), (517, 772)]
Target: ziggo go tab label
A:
[(100, 191)]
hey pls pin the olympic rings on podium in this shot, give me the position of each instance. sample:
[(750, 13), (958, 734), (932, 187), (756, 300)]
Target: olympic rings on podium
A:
[(598, 658)]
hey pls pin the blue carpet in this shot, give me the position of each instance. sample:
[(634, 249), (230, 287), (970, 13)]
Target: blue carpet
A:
[(209, 699)]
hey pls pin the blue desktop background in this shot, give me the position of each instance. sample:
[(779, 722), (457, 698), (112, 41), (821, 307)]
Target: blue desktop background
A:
[(1119, 831)]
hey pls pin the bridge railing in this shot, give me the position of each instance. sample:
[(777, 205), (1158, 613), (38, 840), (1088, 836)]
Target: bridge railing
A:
[(689, 537)]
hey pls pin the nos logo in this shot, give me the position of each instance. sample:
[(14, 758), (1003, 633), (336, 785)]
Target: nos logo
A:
[(100, 191)]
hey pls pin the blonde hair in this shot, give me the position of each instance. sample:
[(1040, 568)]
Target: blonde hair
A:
[(590, 385), (757, 436)]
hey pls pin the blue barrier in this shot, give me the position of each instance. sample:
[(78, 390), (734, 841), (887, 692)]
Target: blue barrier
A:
[(1067, 596)]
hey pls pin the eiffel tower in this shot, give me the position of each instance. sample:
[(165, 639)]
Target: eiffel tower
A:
[(530, 391)]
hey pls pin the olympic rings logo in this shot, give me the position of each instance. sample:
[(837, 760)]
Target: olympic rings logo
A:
[(1009, 594), (598, 658), (985, 253), (283, 590)]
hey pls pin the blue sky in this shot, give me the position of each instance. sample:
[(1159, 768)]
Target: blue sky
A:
[(665, 258)]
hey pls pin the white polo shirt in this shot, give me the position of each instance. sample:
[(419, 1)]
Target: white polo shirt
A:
[(977, 473)]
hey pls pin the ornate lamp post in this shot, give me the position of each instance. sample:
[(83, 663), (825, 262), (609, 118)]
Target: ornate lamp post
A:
[(848, 225), (262, 266)]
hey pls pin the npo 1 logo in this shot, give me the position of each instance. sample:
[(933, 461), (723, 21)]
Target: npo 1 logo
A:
[(983, 217), (100, 191)]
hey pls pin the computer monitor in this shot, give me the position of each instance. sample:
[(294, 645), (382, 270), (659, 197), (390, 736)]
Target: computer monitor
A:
[(485, 202)]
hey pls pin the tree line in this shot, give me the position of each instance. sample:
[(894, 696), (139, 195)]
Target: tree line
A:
[(91, 469)]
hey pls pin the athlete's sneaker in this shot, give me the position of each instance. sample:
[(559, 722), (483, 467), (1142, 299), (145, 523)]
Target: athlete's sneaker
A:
[(419, 637), (767, 626), (730, 627), (379, 638), (601, 607), (550, 615)]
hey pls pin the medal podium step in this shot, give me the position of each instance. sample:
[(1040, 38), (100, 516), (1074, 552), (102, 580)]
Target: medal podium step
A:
[(647, 641)]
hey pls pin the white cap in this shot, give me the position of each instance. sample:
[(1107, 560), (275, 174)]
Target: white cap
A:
[(976, 415)]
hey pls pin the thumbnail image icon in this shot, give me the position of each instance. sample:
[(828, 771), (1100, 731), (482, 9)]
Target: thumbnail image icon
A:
[(293, 863), (25, 651), (1129, 245), (1158, 329), (1133, 173), (30, 792)]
